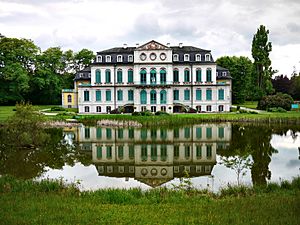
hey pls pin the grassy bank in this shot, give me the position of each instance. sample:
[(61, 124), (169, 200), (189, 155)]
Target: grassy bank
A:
[(48, 202)]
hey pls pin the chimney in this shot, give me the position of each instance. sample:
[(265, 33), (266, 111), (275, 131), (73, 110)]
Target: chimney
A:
[(125, 46), (180, 45), (168, 45), (137, 45)]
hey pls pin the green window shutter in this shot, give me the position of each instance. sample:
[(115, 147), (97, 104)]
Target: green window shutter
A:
[(130, 95), (186, 76), (86, 96), (98, 95), (221, 132), (87, 132), (176, 95), (198, 151), (208, 94), (131, 151), (107, 76), (176, 76), (99, 133), (143, 97), (221, 94), (198, 132), (143, 74), (187, 151), (187, 132), (153, 152), (108, 133), (176, 151), (143, 134), (198, 76), (153, 77), (130, 76), (163, 152), (198, 95), (119, 76), (108, 152), (186, 94), (176, 133), (208, 75), (131, 133), (153, 97), (163, 97), (98, 76), (120, 133), (208, 132), (99, 152), (208, 151), (144, 153), (108, 95), (163, 77), (121, 151), (120, 95)]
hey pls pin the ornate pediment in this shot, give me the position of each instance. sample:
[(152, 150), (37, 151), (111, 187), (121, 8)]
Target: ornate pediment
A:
[(153, 45)]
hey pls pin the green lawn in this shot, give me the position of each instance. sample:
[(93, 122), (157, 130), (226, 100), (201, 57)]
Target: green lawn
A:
[(248, 104)]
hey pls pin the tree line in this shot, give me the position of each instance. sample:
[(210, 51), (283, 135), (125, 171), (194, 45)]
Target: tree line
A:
[(29, 74)]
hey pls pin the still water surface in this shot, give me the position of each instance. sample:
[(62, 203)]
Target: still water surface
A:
[(213, 155)]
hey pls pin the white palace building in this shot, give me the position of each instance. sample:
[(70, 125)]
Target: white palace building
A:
[(153, 77)]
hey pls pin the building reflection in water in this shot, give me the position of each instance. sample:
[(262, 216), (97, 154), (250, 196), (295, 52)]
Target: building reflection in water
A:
[(153, 156)]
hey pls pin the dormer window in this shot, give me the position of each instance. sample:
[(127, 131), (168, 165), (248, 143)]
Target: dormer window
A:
[(119, 58), (108, 58), (186, 57), (130, 58), (175, 57), (224, 74), (99, 58), (198, 57), (207, 57)]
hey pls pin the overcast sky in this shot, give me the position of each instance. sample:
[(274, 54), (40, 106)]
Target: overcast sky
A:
[(224, 26)]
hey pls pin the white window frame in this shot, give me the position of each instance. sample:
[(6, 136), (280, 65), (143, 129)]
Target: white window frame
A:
[(207, 57), (99, 58), (175, 57), (224, 74), (196, 57), (119, 58), (108, 58), (186, 57), (130, 58)]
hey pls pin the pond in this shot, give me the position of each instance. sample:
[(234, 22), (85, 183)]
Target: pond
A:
[(210, 155)]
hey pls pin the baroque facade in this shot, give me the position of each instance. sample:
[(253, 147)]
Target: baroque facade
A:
[(152, 77)]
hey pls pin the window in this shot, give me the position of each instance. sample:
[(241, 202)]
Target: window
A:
[(208, 108), (163, 152), (120, 95), (176, 95), (198, 132), (131, 133), (198, 95), (108, 58), (153, 97), (175, 57), (108, 133), (207, 57), (119, 58), (163, 108), (98, 95), (153, 76), (130, 58), (176, 151), (153, 152), (86, 109), (208, 94), (120, 133), (198, 151), (198, 57), (98, 76), (144, 153), (108, 152), (87, 132), (221, 94), (163, 77), (208, 151), (176, 133), (153, 133), (208, 75), (221, 132), (144, 134), (143, 74), (186, 57), (131, 151), (143, 108), (107, 76), (208, 132), (187, 151), (186, 75), (99, 132), (98, 108), (99, 152), (130, 95), (153, 109), (108, 109), (86, 96), (143, 96), (99, 58), (224, 74), (187, 132), (186, 95), (119, 76), (108, 95), (69, 98), (130, 76), (175, 75), (221, 108), (163, 97), (198, 75)]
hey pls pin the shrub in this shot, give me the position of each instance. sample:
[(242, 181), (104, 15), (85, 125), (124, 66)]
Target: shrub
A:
[(136, 114), (147, 113), (161, 113), (276, 109), (232, 109), (274, 101), (57, 108)]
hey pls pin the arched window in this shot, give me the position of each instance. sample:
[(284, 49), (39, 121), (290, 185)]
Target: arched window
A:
[(120, 95), (143, 96), (108, 58), (153, 76), (143, 75), (98, 76), (186, 75), (130, 76), (107, 76), (198, 57), (198, 75), (119, 58), (99, 58), (119, 76), (208, 75), (163, 97), (207, 57), (69, 98), (175, 75), (163, 77), (86, 109), (153, 97)]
